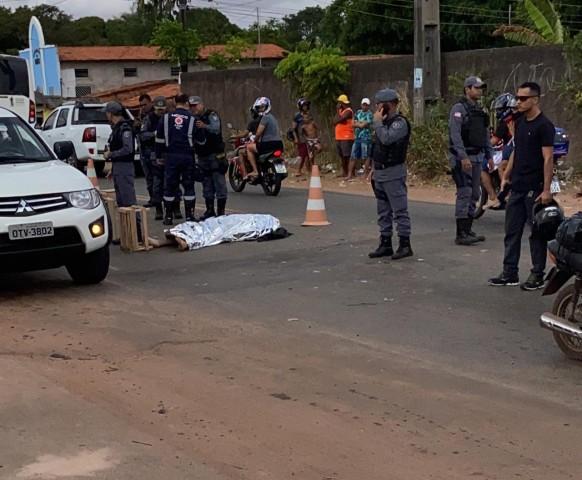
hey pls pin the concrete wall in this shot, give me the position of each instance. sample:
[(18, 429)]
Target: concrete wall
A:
[(232, 92)]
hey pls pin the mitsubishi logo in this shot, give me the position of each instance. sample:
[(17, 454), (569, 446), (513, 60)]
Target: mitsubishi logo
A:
[(24, 208)]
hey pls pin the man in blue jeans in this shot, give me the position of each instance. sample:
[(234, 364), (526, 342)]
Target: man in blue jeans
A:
[(363, 143), (529, 175)]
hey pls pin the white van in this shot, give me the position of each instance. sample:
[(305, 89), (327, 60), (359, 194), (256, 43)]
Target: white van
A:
[(16, 92)]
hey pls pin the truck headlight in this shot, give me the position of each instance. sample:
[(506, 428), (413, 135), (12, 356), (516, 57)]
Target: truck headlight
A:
[(85, 199)]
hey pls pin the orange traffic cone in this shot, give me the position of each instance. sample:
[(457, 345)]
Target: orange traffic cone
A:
[(92, 174), (315, 216)]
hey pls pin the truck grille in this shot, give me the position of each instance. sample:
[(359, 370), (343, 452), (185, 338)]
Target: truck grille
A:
[(32, 205)]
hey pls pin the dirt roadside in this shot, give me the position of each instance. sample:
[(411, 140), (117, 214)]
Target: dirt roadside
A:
[(247, 403)]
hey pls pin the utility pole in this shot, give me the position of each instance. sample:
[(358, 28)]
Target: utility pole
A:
[(509, 19), (259, 38), (427, 56), (418, 91), (182, 7)]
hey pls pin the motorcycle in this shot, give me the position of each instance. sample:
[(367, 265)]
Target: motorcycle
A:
[(562, 171), (271, 166), (565, 319)]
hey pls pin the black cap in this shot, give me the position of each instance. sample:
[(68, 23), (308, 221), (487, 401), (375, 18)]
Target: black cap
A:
[(160, 102), (114, 108)]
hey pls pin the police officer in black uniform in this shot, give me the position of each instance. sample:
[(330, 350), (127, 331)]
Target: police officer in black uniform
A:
[(211, 158), (121, 152), (469, 151), (149, 127), (392, 131), (176, 136)]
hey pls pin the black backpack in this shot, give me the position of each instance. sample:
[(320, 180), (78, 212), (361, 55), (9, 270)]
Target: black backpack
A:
[(569, 234)]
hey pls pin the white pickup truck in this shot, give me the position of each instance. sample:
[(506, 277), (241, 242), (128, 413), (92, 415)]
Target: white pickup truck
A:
[(85, 126)]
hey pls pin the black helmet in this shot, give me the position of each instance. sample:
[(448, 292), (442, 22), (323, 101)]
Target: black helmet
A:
[(504, 105), (547, 219), (303, 101)]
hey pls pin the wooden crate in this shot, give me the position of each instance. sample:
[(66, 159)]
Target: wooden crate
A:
[(128, 229), (111, 205)]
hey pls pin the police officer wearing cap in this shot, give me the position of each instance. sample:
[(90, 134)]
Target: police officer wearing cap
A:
[(211, 158), (389, 179), (176, 136), (469, 149), (153, 172), (121, 152)]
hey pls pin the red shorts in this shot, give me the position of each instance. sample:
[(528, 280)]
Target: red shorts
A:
[(302, 150)]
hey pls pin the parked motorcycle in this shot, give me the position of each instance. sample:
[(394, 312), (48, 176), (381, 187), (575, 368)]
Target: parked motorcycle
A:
[(271, 166), (565, 319)]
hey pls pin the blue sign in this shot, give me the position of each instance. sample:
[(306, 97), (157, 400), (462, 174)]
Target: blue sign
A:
[(43, 61)]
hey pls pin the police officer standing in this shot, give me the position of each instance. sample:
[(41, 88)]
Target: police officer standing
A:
[(153, 172), (176, 135), (470, 150), (211, 158), (389, 178), (121, 153)]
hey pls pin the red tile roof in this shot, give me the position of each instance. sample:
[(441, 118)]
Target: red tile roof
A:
[(151, 54), (129, 95)]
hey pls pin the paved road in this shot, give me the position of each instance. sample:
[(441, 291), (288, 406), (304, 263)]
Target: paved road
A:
[(298, 358)]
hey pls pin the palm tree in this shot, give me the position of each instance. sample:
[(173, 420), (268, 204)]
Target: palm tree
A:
[(543, 25), (159, 9)]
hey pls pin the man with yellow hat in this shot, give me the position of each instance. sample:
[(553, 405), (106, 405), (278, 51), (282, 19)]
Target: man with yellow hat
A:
[(344, 131)]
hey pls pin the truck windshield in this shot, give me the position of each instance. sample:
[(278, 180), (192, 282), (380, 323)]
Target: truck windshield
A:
[(20, 143)]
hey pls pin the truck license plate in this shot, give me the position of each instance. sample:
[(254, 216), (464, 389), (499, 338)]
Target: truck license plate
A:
[(31, 230)]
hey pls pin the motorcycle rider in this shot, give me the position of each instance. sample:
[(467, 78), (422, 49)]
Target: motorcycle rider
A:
[(267, 139), (249, 134), (147, 137), (211, 158), (176, 136), (469, 150)]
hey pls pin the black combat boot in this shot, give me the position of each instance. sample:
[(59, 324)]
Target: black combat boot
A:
[(220, 207), (463, 237), (209, 209), (404, 249), (169, 213), (384, 249), (480, 238), (189, 206), (177, 211), (159, 212)]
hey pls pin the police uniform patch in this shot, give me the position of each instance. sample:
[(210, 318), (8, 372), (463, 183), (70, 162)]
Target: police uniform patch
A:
[(458, 115), (126, 134)]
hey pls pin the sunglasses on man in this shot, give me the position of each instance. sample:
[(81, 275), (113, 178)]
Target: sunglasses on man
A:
[(525, 98)]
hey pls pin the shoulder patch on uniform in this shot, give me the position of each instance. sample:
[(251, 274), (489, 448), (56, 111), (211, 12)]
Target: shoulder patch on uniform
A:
[(458, 115), (398, 124), (127, 134)]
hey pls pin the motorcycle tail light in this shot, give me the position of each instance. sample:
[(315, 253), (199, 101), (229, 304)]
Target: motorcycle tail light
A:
[(277, 154)]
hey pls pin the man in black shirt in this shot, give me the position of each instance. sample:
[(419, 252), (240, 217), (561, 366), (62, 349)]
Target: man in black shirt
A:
[(529, 174)]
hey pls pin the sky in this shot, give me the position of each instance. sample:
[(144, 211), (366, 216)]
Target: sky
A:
[(241, 12)]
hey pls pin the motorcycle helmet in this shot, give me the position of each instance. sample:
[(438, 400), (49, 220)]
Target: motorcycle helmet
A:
[(253, 112), (262, 103), (504, 106), (302, 102), (547, 219)]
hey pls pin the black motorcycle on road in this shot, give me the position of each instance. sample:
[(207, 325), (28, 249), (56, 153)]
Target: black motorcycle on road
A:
[(565, 319)]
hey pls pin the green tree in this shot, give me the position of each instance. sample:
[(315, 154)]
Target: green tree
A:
[(84, 31), (541, 25), (319, 74), (233, 53), (302, 28), (129, 29), (177, 45), (156, 10), (212, 26)]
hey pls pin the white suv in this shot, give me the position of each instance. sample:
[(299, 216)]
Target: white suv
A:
[(50, 214), (86, 126)]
